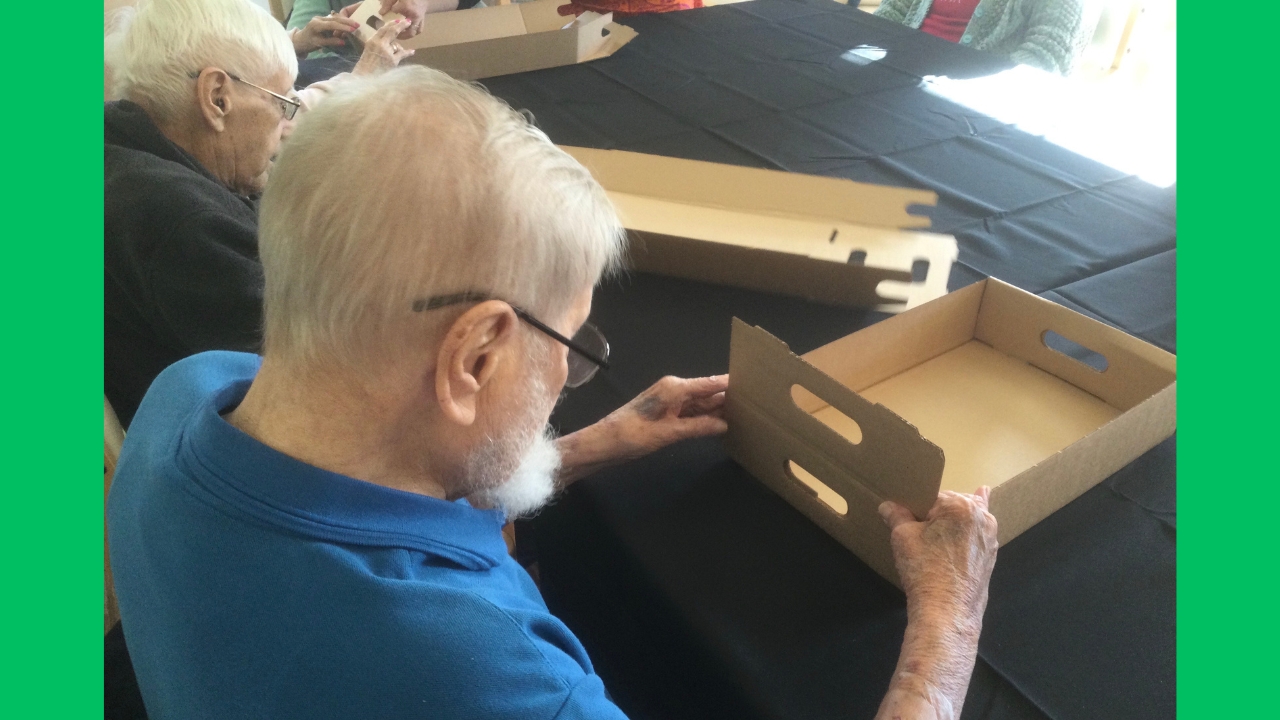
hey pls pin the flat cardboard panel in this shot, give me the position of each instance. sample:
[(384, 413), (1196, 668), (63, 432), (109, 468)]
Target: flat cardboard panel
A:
[(764, 270), (774, 231), (994, 416), (761, 192), (958, 413)]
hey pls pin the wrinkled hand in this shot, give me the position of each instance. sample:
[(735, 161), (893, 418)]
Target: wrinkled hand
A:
[(323, 31), (382, 52), (673, 409), (945, 561)]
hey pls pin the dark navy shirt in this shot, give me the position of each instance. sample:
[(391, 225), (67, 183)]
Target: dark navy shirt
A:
[(252, 585)]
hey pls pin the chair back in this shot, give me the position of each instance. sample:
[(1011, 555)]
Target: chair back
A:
[(113, 438)]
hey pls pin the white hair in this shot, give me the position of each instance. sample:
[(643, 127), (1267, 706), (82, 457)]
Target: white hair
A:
[(412, 185), (152, 49)]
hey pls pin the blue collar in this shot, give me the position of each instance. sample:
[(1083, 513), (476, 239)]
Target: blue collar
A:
[(277, 489)]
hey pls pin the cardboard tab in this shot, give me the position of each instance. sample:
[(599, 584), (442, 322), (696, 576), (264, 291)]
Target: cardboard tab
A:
[(958, 393), (824, 239)]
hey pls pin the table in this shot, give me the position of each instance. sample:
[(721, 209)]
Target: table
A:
[(697, 591)]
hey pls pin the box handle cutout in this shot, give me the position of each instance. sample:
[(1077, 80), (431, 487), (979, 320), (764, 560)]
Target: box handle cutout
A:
[(920, 270), (825, 413), (817, 488), (1074, 350), (858, 257), (374, 22)]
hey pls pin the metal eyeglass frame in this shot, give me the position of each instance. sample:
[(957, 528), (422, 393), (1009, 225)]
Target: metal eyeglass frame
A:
[(601, 362), (290, 107)]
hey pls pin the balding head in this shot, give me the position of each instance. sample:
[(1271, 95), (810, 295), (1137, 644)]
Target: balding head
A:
[(412, 185)]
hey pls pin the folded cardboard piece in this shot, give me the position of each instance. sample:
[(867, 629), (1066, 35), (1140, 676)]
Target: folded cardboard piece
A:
[(989, 385), (504, 39), (829, 240)]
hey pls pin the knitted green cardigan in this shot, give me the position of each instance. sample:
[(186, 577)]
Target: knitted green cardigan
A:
[(1048, 34)]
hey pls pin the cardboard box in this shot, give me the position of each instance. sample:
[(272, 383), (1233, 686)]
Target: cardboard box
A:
[(504, 39), (976, 388), (829, 240)]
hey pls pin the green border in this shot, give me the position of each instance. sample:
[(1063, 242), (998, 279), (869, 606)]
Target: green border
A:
[(52, 299), (1227, 570)]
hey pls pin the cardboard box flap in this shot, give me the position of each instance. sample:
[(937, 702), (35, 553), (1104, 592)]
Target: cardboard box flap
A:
[(768, 192), (1018, 323), (809, 408)]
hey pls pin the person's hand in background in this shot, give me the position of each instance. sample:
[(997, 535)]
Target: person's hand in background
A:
[(321, 32), (382, 52), (416, 12)]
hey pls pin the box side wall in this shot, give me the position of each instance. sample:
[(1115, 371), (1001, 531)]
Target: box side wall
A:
[(753, 190), (752, 443), (891, 459), (1015, 322), (1037, 493), (500, 56), (590, 36), (821, 281), (898, 344)]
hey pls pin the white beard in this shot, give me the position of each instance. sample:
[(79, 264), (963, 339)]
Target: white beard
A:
[(532, 483)]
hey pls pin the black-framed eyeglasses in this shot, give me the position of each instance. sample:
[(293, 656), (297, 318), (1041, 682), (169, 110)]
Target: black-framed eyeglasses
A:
[(288, 106), (590, 349)]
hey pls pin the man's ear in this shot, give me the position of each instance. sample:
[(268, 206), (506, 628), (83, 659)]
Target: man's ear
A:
[(480, 343), (213, 97)]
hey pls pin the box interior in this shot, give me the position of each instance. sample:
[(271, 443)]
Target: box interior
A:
[(977, 376)]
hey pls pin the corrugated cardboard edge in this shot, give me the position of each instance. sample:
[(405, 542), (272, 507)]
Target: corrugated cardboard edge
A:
[(767, 429)]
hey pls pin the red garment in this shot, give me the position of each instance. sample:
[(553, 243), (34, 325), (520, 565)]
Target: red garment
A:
[(627, 8), (947, 19)]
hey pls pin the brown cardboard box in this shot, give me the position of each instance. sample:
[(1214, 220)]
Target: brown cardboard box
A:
[(504, 39), (825, 239), (971, 389)]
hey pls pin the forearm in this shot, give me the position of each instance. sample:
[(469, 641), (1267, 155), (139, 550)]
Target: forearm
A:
[(932, 677), (582, 453)]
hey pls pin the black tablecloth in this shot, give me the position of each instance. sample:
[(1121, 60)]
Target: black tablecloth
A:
[(697, 591)]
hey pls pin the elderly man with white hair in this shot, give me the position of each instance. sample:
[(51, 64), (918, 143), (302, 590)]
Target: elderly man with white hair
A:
[(207, 88), (316, 533)]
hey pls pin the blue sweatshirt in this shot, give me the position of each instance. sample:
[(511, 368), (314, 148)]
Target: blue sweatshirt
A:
[(252, 585)]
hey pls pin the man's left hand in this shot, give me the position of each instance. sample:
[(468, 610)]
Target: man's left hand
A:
[(673, 409)]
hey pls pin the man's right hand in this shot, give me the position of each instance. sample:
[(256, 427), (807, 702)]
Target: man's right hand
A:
[(944, 563)]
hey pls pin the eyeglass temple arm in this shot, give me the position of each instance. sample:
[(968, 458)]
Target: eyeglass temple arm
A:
[(599, 361), (456, 298)]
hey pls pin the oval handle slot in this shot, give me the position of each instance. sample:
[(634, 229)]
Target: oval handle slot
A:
[(1065, 346), (832, 499), (826, 414)]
